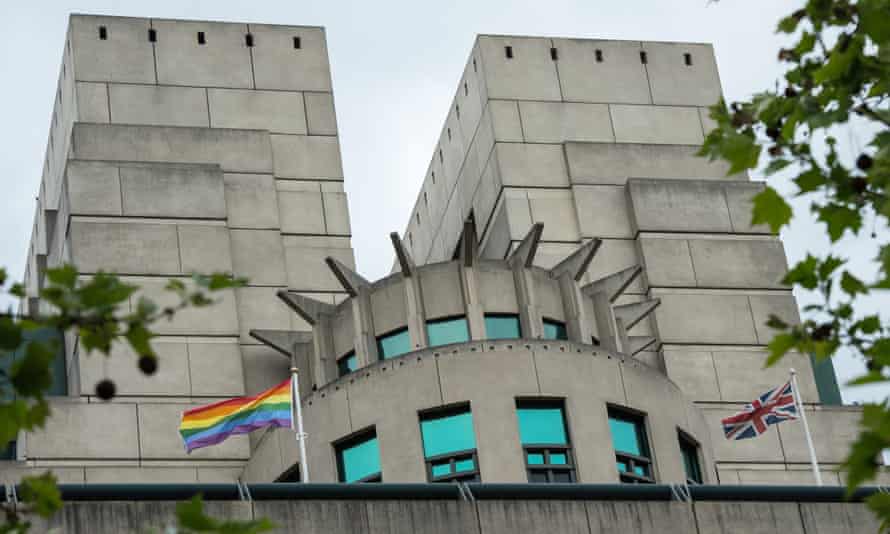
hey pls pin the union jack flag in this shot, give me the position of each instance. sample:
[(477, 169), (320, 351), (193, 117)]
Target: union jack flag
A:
[(774, 406)]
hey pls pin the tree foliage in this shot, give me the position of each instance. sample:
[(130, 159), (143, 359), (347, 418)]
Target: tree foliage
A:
[(837, 77)]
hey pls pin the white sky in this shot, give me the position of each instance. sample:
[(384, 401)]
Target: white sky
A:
[(395, 65)]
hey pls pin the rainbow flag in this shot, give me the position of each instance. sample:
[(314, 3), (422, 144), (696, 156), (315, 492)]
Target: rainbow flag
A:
[(212, 424)]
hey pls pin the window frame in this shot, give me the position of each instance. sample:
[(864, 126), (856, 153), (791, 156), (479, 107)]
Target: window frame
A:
[(502, 315), (439, 412), (549, 470), (352, 440), (446, 319), (685, 440), (341, 367), (559, 324), (377, 339), (639, 420)]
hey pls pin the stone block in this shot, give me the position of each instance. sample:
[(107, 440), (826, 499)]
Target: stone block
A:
[(301, 212), (674, 82), (158, 105), (782, 477), (92, 102), (122, 57), (667, 262), (609, 163), (437, 285), (759, 517), (93, 188), (259, 307), (265, 464), (259, 256), (677, 206), (263, 368), (171, 378), (336, 213), (497, 290), (215, 368), (276, 111), (304, 258), (834, 431), (251, 201), (780, 304), (557, 211), (173, 191), (421, 517), (530, 165), (320, 113), (581, 76), (103, 431), (533, 517), (613, 256), (738, 198), (641, 517), (693, 371), (505, 120), (204, 249), (738, 263), (656, 125), (126, 248), (602, 211), (159, 437), (233, 150), (301, 156), (224, 61), (278, 65), (388, 306), (220, 318), (315, 517), (837, 518), (529, 75), (704, 318), (556, 122), (743, 377), (219, 475), (141, 475)]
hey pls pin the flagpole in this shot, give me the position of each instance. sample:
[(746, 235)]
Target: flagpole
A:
[(298, 417), (806, 428)]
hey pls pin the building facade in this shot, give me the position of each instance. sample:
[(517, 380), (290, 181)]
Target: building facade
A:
[(577, 296)]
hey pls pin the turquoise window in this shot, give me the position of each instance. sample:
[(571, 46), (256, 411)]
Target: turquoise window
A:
[(631, 446), (443, 434), (689, 451), (555, 330), (446, 331), (394, 344), (347, 364), (626, 436), (499, 326), (358, 459), (542, 424)]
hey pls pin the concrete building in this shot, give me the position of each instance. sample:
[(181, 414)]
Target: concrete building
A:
[(577, 297)]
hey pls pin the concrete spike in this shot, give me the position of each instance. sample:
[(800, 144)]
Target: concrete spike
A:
[(349, 279), (469, 244), (405, 260), (281, 340), (614, 284), (637, 344), (631, 314), (524, 255), (577, 262), (307, 308)]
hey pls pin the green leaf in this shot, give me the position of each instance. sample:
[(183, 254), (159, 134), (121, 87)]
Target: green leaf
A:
[(10, 334), (741, 151), (65, 276), (42, 493), (787, 24), (810, 180), (839, 218), (874, 19), (852, 285), (869, 325), (770, 208), (139, 338), (879, 503), (803, 274), (829, 265), (778, 347), (32, 374), (776, 323)]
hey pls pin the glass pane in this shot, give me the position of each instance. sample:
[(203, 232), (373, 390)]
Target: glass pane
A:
[(535, 458), (502, 327), (626, 436), (558, 458), (641, 470), (537, 476), (360, 460), (395, 344), (562, 476), (449, 433), (447, 331), (539, 425), (555, 330), (622, 466), (347, 364), (464, 465), (690, 461), (50, 338), (441, 469)]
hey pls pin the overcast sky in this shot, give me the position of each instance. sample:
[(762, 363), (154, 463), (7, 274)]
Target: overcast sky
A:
[(395, 65)]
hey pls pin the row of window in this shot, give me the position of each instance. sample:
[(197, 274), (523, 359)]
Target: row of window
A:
[(449, 446), (201, 37), (450, 330), (598, 54)]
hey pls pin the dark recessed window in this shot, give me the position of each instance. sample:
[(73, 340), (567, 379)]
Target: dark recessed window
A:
[(599, 56), (449, 134), (426, 202), (411, 240), (201, 38), (466, 89), (449, 445), (643, 58), (595, 341), (545, 441), (474, 64), (298, 44), (554, 55), (502, 326), (347, 363), (152, 35), (394, 343), (441, 157), (103, 33), (291, 475), (433, 175), (358, 458), (248, 39), (689, 450), (555, 330), (508, 51), (446, 331), (632, 456), (457, 110), (687, 58), (417, 216)]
